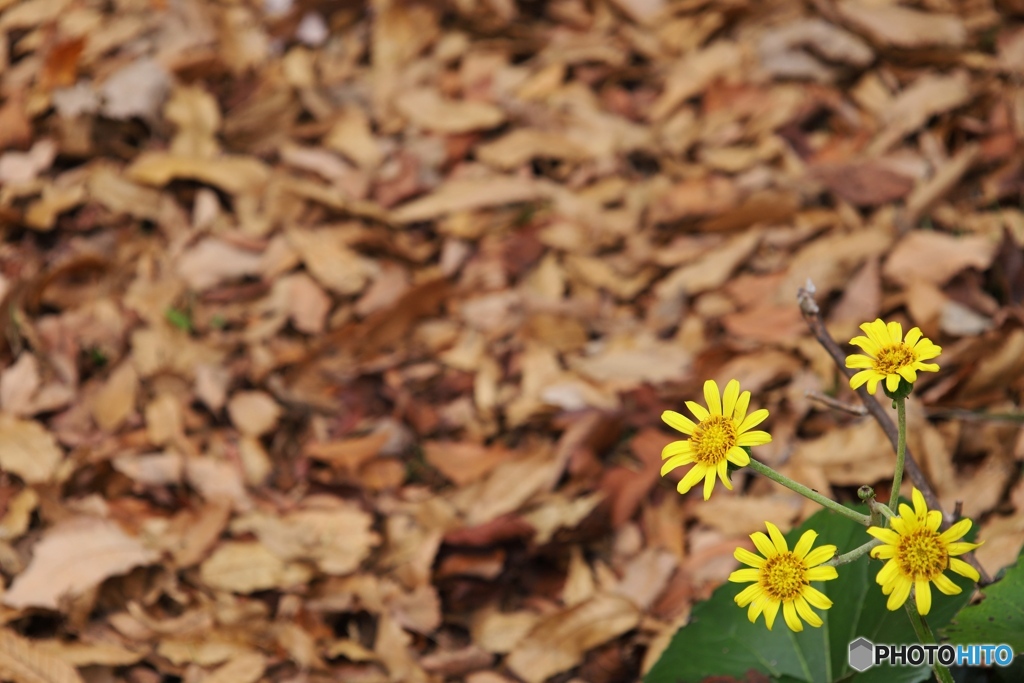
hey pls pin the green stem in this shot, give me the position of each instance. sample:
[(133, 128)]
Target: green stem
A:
[(854, 554), (925, 635), (901, 451), (763, 469)]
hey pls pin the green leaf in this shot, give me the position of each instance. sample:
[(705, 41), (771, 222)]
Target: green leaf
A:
[(999, 618), (720, 641), (180, 319)]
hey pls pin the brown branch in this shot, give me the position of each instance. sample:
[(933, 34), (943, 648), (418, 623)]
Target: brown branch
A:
[(836, 405), (812, 315)]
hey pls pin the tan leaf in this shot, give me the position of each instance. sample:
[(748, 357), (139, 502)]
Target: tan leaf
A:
[(337, 537), (72, 557), (929, 95), (253, 412), (307, 305), (935, 257), (902, 26), (234, 174), (22, 661), (465, 195), (115, 401), (330, 261), (523, 144), (78, 653), (245, 668), (18, 384), (28, 451), (351, 135), (463, 463), (560, 640), (427, 109), (247, 567), (694, 73), (213, 261)]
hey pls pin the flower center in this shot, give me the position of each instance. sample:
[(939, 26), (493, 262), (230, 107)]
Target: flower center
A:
[(712, 439), (893, 357), (921, 555), (783, 576)]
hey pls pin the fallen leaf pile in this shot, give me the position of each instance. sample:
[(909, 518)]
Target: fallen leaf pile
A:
[(335, 336)]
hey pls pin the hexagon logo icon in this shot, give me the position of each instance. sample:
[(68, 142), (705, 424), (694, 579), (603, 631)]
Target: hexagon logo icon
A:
[(862, 654)]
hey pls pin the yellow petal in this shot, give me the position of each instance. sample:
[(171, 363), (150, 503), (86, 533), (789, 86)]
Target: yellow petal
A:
[(676, 448), (892, 382), (803, 546), (699, 411), (873, 382), (732, 392), (826, 573), (742, 403), (908, 373), (897, 525), (923, 595), (943, 583), (792, 620), (912, 336), (771, 610), (805, 611), (867, 345), (747, 557), (920, 507), (908, 516), (777, 538), (712, 397), (886, 574), (963, 569), (960, 548), (884, 552), (709, 482), (861, 377), (755, 438), (820, 554), (695, 474), (723, 473), (744, 575), (933, 520), (899, 595), (957, 531), (884, 535), (764, 546), (737, 456), (678, 461), (757, 606), (816, 597), (747, 595), (752, 420), (678, 422), (859, 361), (895, 332)]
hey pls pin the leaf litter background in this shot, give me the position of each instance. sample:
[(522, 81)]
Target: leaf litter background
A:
[(335, 336)]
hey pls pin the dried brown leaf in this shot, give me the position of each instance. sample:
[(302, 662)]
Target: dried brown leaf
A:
[(72, 557), (29, 450), (22, 661)]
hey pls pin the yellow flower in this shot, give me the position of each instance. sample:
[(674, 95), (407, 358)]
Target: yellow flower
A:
[(918, 553), (890, 356), (716, 439), (783, 577)]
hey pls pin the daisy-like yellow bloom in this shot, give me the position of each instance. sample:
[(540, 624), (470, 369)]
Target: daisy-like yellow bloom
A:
[(782, 577), (918, 554), (888, 355), (715, 439)]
